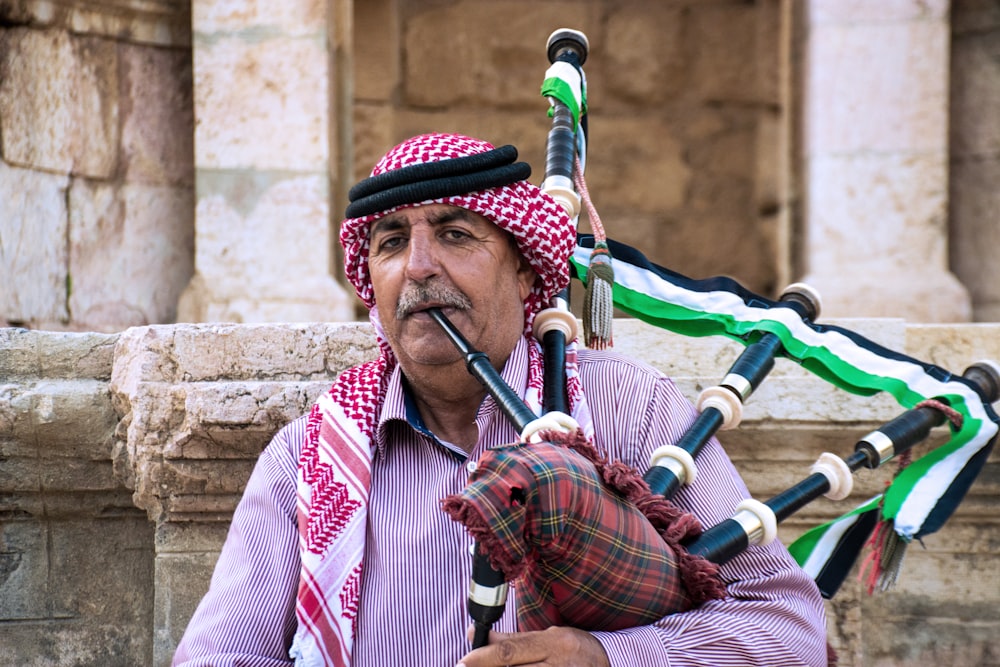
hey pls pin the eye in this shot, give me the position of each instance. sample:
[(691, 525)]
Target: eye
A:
[(389, 243), (456, 234)]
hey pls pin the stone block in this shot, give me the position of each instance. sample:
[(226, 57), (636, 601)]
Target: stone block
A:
[(40, 411), (374, 134), (182, 538), (184, 579), (505, 43), (235, 420), (55, 355), (972, 16), (854, 12), (899, 106), (78, 592), (639, 165), (296, 17), (646, 45), (954, 347), (158, 123), (33, 285), (59, 102), (377, 69), (975, 94), (131, 249), (889, 197), (724, 45), (37, 120), (227, 202), (973, 204), (233, 283), (262, 103), (161, 22), (85, 356), (265, 351), (191, 434)]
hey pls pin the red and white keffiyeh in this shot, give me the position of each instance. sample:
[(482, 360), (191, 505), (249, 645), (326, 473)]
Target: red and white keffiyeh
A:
[(335, 466)]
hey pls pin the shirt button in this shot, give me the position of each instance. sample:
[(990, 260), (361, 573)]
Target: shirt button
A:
[(472, 549), (471, 466)]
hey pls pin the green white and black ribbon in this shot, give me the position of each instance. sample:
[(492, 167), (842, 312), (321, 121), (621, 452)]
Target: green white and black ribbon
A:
[(924, 494)]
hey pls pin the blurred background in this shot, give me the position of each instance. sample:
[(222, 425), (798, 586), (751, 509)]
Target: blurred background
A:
[(165, 161)]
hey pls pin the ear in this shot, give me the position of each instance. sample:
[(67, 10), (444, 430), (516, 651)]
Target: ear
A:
[(526, 277)]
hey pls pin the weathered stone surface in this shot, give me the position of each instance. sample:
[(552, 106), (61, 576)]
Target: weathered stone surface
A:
[(637, 149), (76, 558), (131, 252), (253, 268), (293, 17), (33, 286), (29, 355), (912, 91), (160, 22), (975, 141), (377, 69), (59, 105), (261, 103), (199, 403), (79, 592), (509, 64), (867, 203), (157, 141), (723, 39), (648, 43), (858, 11)]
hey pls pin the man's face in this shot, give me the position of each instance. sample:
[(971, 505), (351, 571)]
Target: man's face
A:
[(445, 256)]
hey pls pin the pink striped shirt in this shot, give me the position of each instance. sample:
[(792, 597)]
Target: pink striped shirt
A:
[(417, 562)]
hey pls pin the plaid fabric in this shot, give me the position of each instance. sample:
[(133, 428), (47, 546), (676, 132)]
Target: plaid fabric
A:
[(581, 553)]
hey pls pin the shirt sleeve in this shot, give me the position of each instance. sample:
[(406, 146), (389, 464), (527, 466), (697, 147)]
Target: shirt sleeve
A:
[(772, 614), (255, 580)]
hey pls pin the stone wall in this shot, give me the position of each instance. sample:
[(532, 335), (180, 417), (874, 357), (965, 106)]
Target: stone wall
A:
[(700, 150), (96, 187), (686, 99), (122, 457), (76, 556)]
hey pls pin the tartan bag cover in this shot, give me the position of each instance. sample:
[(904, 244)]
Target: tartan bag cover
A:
[(584, 541)]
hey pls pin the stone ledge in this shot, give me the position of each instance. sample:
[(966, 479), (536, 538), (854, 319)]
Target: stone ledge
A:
[(160, 22)]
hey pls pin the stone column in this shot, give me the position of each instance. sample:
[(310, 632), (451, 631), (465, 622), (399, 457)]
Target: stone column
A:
[(263, 143), (875, 142)]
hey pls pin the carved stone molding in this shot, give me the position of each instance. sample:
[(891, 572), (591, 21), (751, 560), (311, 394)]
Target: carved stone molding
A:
[(162, 22)]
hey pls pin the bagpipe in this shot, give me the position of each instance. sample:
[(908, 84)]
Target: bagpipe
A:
[(523, 519)]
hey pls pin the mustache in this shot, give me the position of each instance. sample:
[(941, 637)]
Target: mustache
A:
[(418, 295)]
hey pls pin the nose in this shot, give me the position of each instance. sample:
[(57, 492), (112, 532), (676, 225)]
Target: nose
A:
[(422, 260)]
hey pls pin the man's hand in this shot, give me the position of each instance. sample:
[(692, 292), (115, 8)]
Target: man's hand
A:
[(555, 647)]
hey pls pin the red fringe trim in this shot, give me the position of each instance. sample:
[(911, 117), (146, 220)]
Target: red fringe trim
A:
[(487, 542)]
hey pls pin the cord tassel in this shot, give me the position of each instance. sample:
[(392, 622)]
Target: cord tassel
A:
[(598, 301)]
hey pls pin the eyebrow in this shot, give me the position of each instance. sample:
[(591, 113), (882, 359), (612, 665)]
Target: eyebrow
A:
[(392, 222)]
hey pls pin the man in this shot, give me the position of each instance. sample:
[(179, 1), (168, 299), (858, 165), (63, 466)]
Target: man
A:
[(339, 552)]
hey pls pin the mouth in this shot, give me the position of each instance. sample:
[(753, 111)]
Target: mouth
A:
[(421, 311)]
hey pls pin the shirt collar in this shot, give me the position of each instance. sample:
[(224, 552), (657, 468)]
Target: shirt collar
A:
[(399, 406)]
